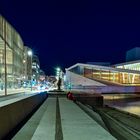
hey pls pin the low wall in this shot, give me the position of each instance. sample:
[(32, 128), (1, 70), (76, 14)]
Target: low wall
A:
[(12, 114), (91, 100), (106, 89)]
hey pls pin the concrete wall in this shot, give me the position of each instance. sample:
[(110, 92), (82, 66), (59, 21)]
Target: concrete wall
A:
[(107, 89), (12, 114)]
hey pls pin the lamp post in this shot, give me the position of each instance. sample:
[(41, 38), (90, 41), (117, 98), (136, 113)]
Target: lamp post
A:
[(5, 62), (58, 71), (30, 54), (58, 74)]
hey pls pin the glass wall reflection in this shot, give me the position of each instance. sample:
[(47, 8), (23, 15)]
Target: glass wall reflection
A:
[(12, 44)]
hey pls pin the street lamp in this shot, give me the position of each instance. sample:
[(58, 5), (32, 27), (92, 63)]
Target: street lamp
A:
[(58, 69), (59, 76), (30, 53), (5, 55)]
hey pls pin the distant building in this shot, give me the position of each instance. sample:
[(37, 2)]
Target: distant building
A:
[(133, 60), (101, 77), (131, 65), (51, 79), (35, 67), (42, 75), (133, 54), (27, 61), (41, 72)]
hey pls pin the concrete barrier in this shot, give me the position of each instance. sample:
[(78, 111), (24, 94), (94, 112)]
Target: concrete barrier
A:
[(106, 89), (122, 131), (12, 114), (89, 99)]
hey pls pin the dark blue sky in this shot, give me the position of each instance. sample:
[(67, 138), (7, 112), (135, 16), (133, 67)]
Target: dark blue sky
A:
[(63, 33)]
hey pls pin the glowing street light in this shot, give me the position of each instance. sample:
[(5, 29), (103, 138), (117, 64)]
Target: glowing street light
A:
[(30, 53), (24, 61), (58, 72), (58, 69), (58, 76)]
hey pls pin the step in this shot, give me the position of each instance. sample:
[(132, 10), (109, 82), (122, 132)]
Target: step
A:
[(77, 125), (35, 122), (46, 127)]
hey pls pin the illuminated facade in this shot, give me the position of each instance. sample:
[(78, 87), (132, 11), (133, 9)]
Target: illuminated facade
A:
[(11, 54), (35, 68), (132, 60), (15, 62), (27, 64), (102, 75), (132, 65)]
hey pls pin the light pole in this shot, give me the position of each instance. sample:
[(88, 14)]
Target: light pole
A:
[(59, 75), (30, 54), (5, 62), (58, 70)]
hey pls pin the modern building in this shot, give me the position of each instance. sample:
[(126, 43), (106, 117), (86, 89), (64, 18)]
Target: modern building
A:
[(120, 77), (11, 56), (134, 64), (35, 67), (27, 63), (15, 58), (87, 75), (133, 54), (108, 75), (42, 75), (132, 60), (131, 65)]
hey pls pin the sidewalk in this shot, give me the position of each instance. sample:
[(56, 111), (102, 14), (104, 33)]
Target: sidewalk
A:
[(14, 91), (75, 123), (41, 125)]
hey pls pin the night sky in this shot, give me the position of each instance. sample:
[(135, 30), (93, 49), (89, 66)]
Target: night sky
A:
[(63, 33)]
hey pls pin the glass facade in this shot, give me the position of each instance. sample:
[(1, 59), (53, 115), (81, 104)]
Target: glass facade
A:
[(11, 56), (108, 74), (133, 66)]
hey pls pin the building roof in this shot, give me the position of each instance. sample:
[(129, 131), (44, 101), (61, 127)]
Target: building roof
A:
[(127, 63), (104, 68)]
